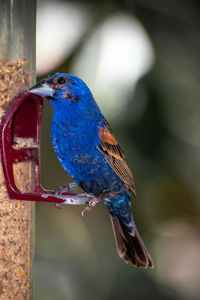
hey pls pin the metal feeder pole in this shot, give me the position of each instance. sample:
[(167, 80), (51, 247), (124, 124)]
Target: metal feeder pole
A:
[(17, 72)]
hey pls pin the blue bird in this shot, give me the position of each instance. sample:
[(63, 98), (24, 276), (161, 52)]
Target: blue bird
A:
[(87, 149)]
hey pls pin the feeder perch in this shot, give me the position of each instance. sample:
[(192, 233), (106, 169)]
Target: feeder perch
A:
[(21, 120)]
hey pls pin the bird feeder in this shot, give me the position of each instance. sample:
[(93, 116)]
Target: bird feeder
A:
[(20, 117), (17, 72)]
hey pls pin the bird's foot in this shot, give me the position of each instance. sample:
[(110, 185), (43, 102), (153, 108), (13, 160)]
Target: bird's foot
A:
[(91, 204), (66, 188), (85, 209)]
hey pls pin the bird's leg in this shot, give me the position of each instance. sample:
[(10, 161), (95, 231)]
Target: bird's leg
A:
[(94, 200), (65, 189)]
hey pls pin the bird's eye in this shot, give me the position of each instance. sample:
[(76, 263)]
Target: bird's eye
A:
[(61, 80)]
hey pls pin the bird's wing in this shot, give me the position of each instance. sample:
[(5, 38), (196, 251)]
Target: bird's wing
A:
[(114, 155)]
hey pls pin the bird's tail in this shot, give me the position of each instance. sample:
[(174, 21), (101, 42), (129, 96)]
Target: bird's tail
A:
[(130, 248)]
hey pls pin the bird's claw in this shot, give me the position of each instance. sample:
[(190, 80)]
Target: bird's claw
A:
[(85, 209), (66, 188), (91, 204)]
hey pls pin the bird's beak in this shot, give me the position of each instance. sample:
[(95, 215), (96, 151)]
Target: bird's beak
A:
[(42, 89)]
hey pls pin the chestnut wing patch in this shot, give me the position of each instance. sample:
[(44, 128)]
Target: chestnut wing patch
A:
[(115, 157)]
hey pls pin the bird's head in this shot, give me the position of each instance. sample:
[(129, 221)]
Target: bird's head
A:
[(62, 89)]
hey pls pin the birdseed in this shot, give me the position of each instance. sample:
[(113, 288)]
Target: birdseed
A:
[(16, 217)]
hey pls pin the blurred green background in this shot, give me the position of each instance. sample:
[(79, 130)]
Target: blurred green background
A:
[(141, 60)]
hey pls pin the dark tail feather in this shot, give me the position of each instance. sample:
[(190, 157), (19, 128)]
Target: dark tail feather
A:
[(130, 248)]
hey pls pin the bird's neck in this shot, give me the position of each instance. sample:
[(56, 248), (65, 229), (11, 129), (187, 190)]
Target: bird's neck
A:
[(77, 115)]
